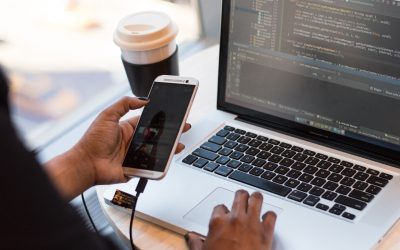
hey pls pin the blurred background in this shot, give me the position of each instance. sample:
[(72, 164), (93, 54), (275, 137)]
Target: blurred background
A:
[(63, 65)]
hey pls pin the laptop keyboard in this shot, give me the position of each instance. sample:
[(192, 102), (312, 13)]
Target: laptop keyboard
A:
[(314, 179)]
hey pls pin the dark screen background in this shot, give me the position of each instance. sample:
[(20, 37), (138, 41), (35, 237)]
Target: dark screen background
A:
[(158, 126)]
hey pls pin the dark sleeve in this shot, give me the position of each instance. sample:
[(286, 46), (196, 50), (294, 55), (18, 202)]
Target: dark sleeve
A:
[(32, 213)]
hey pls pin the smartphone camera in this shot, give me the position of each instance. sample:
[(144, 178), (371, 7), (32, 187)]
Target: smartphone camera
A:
[(187, 81)]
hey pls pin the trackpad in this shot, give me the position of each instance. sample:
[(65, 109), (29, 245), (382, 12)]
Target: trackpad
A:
[(201, 213)]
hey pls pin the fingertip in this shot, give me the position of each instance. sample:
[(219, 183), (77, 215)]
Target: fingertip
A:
[(270, 215)]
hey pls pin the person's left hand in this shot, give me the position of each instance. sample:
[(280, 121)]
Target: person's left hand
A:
[(106, 141)]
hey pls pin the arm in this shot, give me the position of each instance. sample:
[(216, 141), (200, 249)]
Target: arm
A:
[(97, 158)]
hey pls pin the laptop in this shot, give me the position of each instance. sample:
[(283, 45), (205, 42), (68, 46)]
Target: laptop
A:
[(308, 114)]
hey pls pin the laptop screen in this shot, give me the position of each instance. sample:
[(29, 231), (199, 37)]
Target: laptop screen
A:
[(330, 68)]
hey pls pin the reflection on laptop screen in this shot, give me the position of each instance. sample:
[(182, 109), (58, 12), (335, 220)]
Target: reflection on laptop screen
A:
[(332, 65)]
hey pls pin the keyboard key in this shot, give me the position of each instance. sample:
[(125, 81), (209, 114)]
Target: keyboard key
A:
[(262, 138), (241, 148), (292, 183), (199, 163), (240, 131), (260, 183), (329, 195), (252, 151), (322, 173), (386, 176), (255, 143), (244, 139), (319, 182), (247, 159), (298, 166), (300, 157), (189, 159), (336, 168), (245, 167), (340, 207), (288, 154), (225, 151), (211, 146), (349, 172), (346, 164), (347, 181), (348, 216), (270, 166), (236, 155), (305, 178), (293, 174), (311, 161), (230, 144), (360, 185), (233, 136), (334, 160), (297, 149), (285, 145), (297, 196), (310, 170), (280, 179), (373, 189), (223, 133), (263, 155), (309, 152), (343, 190), (211, 166), (377, 181), (223, 160), (277, 150), (336, 211), (268, 175), (275, 158), (251, 135), (324, 164), (359, 168), (229, 128), (286, 162), (256, 171), (205, 154), (266, 146), (357, 194), (223, 170), (217, 140), (321, 156), (361, 176), (311, 200), (274, 142), (349, 202), (331, 185), (317, 191), (258, 163), (233, 164), (323, 207), (335, 177), (304, 187), (281, 170), (372, 171)]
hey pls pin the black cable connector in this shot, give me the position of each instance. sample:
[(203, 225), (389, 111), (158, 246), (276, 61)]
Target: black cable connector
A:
[(139, 189)]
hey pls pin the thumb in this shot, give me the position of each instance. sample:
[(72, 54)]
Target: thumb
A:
[(194, 241), (121, 107)]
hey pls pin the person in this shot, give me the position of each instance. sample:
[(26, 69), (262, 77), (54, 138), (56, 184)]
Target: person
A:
[(35, 213)]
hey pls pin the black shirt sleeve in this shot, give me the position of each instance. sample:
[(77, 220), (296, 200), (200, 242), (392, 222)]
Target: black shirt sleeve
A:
[(32, 213)]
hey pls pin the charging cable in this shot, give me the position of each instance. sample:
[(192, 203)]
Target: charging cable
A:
[(139, 189)]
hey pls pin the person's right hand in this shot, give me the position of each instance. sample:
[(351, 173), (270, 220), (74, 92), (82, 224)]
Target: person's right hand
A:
[(239, 228)]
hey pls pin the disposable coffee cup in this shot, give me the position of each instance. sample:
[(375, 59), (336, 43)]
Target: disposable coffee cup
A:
[(148, 48)]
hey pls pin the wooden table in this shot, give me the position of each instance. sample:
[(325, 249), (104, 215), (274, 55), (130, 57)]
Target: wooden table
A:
[(203, 66)]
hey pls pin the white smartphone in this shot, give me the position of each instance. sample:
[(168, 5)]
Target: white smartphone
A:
[(160, 126)]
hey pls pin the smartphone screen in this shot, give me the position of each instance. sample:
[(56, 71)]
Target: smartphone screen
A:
[(159, 126)]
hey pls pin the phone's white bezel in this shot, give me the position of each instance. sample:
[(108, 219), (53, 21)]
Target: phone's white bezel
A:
[(156, 175)]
